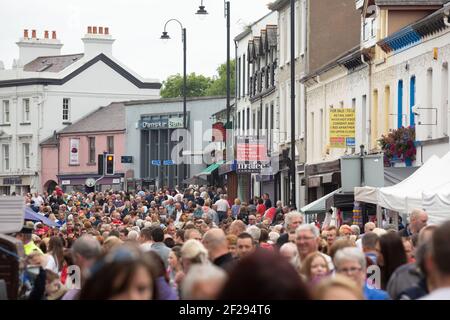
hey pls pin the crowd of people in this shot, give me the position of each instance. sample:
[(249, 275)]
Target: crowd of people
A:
[(197, 243)]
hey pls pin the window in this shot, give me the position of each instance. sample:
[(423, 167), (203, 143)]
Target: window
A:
[(365, 30), (66, 109), (26, 110), (239, 120), (387, 108), (5, 152), (429, 103), (444, 85), (372, 34), (400, 104), (412, 100), (91, 141), (6, 111), (303, 28), (243, 75), (110, 143), (248, 118), (374, 120), (26, 156), (239, 79), (364, 119)]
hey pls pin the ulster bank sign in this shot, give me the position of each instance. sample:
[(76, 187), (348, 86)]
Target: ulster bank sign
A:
[(158, 124)]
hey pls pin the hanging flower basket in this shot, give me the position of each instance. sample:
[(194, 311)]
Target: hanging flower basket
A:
[(399, 146)]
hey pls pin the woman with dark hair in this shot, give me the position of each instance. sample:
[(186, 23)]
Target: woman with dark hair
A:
[(175, 265), (165, 291), (55, 255), (125, 273), (264, 275), (390, 255)]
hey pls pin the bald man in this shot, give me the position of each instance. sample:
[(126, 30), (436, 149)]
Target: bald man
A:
[(417, 221), (216, 243)]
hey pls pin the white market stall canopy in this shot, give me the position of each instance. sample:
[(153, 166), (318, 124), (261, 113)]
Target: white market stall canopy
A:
[(320, 205), (427, 188)]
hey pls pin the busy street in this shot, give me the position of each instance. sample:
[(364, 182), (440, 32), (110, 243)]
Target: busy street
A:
[(262, 154)]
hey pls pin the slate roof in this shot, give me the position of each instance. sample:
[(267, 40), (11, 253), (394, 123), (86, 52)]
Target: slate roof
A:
[(109, 118), (52, 63)]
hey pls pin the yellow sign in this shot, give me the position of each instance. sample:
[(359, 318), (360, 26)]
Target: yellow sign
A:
[(342, 128)]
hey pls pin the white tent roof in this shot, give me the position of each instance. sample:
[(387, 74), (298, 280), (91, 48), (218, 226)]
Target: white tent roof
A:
[(407, 195), (437, 204)]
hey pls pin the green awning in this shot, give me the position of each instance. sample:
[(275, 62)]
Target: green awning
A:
[(318, 206), (210, 169)]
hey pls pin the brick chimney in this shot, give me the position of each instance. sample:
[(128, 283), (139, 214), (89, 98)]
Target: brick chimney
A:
[(31, 48), (97, 40)]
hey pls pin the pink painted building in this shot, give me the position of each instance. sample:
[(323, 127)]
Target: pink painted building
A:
[(70, 157)]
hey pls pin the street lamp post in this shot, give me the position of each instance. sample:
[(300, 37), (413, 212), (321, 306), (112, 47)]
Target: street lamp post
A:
[(203, 11), (165, 36), (293, 193)]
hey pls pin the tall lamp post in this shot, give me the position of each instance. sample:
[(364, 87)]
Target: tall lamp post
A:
[(165, 36), (293, 193), (202, 11)]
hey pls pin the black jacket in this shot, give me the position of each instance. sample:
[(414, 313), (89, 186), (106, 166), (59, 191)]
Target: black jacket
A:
[(226, 262), (284, 238)]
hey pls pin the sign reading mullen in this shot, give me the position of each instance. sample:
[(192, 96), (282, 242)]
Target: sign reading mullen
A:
[(251, 154)]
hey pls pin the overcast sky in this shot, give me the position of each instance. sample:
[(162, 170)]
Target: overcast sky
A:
[(136, 25)]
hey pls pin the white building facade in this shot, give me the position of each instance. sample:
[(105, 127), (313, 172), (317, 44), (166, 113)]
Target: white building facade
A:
[(45, 91)]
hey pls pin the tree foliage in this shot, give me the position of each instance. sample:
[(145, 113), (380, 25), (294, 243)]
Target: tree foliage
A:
[(199, 85)]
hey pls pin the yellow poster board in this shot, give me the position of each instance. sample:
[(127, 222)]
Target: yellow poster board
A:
[(342, 128)]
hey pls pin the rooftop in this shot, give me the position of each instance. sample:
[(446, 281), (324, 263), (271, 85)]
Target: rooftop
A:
[(52, 63), (109, 118)]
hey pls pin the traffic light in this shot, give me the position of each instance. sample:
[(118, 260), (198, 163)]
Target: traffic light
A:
[(109, 164), (101, 165)]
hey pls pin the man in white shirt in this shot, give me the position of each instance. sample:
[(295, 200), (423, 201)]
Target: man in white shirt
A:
[(222, 206), (38, 201), (440, 263)]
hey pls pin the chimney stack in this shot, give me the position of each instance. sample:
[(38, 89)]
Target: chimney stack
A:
[(31, 48), (97, 41)]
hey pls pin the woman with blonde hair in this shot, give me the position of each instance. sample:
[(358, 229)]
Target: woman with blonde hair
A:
[(193, 252), (110, 243), (338, 287)]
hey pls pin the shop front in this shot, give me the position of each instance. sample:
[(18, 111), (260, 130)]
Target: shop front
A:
[(91, 182), (18, 185)]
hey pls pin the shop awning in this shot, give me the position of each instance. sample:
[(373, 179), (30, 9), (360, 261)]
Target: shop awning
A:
[(210, 169), (318, 206)]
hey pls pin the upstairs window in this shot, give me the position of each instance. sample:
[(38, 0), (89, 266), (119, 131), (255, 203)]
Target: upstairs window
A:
[(66, 109), (26, 110)]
